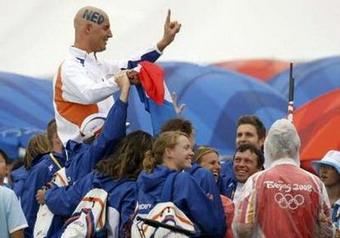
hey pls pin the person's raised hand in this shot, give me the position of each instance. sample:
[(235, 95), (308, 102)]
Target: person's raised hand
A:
[(171, 28), (178, 107)]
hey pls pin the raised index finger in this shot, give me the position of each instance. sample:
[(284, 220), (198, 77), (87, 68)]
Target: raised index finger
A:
[(167, 20)]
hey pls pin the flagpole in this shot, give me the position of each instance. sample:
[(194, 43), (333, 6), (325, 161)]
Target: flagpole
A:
[(291, 94)]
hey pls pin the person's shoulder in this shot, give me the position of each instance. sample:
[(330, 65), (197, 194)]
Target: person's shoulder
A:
[(306, 175), (204, 171), (6, 193), (43, 163), (122, 189), (71, 65), (184, 178), (129, 187), (258, 176)]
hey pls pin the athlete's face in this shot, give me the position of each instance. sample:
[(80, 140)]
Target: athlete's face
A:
[(181, 155), (329, 175), (100, 34), (245, 164), (247, 134), (211, 162)]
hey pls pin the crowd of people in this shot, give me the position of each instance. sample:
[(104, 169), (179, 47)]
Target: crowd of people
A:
[(260, 192)]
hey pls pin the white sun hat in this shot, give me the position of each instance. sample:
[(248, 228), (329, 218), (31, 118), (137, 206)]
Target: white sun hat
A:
[(332, 158)]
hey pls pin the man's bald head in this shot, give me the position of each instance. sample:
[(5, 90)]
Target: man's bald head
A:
[(89, 14), (92, 29)]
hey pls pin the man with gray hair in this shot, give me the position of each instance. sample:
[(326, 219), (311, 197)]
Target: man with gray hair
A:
[(293, 198)]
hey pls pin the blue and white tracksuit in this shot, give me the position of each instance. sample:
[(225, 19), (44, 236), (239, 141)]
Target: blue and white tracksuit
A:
[(39, 175), (188, 196)]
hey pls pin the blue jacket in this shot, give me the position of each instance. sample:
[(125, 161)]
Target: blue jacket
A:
[(206, 213), (83, 157), (204, 178), (18, 178), (121, 197), (39, 175)]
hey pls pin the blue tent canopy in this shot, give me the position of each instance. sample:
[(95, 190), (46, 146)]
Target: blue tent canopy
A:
[(214, 98), (26, 108)]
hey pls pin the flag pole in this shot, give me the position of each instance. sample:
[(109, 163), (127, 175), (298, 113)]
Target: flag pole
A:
[(291, 94)]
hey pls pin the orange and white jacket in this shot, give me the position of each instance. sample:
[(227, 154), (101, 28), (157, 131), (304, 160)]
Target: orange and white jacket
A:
[(83, 86)]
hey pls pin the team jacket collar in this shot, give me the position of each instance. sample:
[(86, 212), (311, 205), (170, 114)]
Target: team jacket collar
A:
[(78, 53)]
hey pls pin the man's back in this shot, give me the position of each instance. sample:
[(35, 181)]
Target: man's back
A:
[(285, 200)]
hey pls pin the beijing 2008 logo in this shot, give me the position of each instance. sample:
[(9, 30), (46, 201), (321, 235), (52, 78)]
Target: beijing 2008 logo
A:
[(289, 201)]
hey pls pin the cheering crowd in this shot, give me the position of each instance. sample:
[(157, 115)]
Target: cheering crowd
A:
[(85, 157)]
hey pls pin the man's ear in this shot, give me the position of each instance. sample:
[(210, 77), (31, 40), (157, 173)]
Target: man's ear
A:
[(88, 27)]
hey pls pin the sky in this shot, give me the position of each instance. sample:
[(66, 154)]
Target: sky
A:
[(35, 34)]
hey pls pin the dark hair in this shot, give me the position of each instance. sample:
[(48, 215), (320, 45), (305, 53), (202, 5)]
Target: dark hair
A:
[(51, 130), (252, 148), (165, 140), (178, 124), (37, 145), (127, 159), (4, 155), (256, 122)]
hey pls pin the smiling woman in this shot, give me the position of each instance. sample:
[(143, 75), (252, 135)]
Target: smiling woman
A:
[(170, 154), (208, 158)]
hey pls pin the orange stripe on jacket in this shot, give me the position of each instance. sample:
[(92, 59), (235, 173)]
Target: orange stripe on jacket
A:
[(73, 112)]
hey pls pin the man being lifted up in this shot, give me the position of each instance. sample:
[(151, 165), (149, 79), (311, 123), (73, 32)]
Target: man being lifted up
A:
[(83, 84)]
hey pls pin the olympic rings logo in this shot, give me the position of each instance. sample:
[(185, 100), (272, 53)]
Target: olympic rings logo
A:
[(289, 201)]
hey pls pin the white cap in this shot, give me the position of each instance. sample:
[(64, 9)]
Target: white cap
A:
[(332, 158), (92, 124)]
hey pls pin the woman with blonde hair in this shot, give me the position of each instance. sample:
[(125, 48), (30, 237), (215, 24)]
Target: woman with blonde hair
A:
[(172, 153), (36, 151), (38, 145), (208, 157)]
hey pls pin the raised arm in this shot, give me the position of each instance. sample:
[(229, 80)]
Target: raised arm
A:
[(113, 130), (171, 28)]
